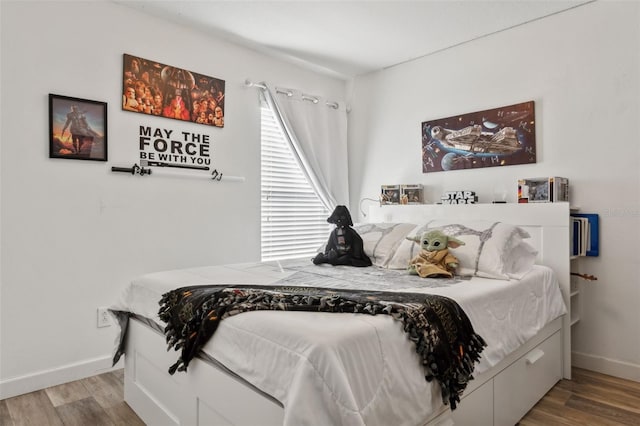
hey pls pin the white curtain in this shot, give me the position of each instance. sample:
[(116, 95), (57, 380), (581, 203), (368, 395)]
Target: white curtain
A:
[(317, 134)]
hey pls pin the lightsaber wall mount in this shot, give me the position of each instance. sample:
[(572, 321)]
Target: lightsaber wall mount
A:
[(215, 175), (134, 170)]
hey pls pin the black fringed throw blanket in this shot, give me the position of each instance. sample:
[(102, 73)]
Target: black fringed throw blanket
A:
[(442, 332)]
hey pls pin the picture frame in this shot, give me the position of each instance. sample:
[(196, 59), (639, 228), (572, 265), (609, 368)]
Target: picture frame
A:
[(153, 88), (503, 136), (77, 128)]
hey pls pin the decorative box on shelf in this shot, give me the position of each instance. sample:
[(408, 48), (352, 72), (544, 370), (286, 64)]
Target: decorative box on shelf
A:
[(390, 194), (543, 190), (411, 194)]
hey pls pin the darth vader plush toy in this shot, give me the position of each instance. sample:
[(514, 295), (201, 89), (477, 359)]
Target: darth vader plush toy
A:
[(345, 245)]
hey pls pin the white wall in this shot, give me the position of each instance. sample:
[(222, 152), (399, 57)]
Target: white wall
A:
[(581, 69), (73, 232)]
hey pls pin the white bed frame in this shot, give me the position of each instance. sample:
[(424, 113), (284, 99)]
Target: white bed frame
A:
[(208, 395)]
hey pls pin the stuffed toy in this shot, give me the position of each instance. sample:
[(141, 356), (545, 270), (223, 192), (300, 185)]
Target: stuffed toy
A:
[(434, 260), (345, 246)]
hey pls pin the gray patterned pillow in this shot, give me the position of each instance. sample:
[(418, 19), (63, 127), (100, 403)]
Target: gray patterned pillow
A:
[(382, 239), (491, 250)]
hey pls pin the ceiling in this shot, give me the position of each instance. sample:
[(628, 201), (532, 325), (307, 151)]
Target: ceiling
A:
[(349, 38)]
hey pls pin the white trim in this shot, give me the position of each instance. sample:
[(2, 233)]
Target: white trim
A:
[(56, 376), (612, 367)]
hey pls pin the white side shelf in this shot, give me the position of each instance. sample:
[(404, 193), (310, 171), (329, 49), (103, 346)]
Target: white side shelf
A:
[(574, 284), (574, 295)]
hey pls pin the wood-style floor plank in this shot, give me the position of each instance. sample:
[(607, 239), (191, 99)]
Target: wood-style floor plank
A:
[(590, 398), (562, 414), (84, 412), (33, 409), (607, 381), (119, 374), (613, 390), (537, 417), (122, 414), (5, 416), (604, 410), (107, 389), (66, 393)]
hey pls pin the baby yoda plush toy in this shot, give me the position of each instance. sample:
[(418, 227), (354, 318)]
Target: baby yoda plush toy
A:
[(434, 260)]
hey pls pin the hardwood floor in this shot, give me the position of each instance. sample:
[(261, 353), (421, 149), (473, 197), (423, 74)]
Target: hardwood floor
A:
[(589, 399), (97, 400)]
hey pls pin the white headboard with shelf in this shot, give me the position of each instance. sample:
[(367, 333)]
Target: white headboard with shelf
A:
[(548, 224)]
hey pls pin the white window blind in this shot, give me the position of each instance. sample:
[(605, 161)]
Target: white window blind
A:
[(294, 221)]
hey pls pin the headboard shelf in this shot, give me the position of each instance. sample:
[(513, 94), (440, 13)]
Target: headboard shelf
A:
[(550, 213)]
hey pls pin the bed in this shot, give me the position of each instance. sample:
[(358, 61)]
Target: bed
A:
[(280, 367)]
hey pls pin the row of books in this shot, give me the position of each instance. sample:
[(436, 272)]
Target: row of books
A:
[(584, 233)]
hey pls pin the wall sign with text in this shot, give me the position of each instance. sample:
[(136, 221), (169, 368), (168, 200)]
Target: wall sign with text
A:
[(163, 147)]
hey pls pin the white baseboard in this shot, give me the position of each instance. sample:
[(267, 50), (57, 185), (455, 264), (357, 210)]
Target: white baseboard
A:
[(56, 376), (612, 367)]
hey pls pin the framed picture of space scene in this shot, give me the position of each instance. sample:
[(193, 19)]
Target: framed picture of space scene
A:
[(496, 137), (77, 128), (152, 88)]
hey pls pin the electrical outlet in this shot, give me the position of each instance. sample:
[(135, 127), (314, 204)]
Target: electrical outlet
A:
[(104, 319)]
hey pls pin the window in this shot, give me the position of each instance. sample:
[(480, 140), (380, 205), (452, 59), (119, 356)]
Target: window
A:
[(294, 220)]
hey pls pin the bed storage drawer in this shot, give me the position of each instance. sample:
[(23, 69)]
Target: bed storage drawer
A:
[(476, 408), (187, 398), (530, 377)]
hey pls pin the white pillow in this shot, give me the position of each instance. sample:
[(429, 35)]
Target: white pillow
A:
[(519, 260), (491, 250), (382, 239)]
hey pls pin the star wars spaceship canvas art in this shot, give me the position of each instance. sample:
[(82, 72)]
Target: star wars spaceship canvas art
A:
[(496, 137)]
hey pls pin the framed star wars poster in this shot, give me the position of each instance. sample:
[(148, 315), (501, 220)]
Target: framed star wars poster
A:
[(77, 128), (152, 88), (496, 137)]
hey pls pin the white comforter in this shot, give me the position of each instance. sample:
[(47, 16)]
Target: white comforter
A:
[(351, 369)]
